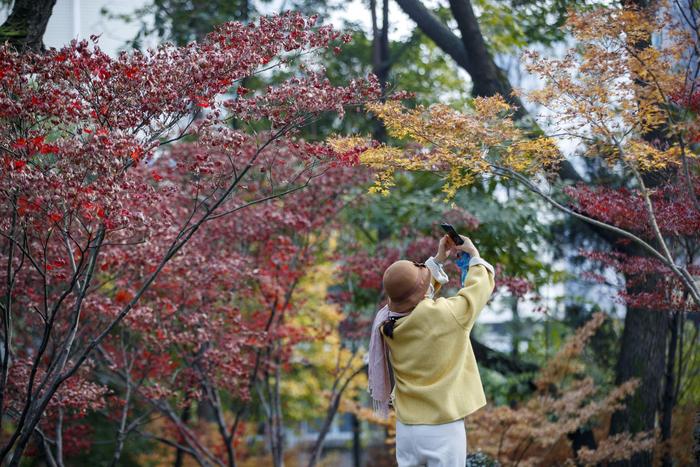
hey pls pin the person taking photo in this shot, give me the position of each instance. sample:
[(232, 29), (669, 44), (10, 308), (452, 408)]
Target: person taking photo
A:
[(426, 341)]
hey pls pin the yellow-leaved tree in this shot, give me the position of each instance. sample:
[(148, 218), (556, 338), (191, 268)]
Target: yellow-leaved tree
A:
[(324, 362), (611, 93), (326, 370), (567, 399)]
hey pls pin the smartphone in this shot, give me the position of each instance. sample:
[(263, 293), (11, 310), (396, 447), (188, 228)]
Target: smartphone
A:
[(449, 230)]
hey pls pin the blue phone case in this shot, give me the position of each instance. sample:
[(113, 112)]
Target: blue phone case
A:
[(462, 263)]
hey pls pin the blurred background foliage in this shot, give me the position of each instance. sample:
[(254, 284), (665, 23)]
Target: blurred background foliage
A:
[(529, 320), (512, 228)]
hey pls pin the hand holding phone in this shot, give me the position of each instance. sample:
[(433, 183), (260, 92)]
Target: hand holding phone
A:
[(463, 258), (449, 230), (463, 244)]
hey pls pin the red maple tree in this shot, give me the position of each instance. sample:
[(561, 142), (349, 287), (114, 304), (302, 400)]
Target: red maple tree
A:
[(99, 202)]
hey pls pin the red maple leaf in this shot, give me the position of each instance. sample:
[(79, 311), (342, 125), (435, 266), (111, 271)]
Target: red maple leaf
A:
[(122, 296)]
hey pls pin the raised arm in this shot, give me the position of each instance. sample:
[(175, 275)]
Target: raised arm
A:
[(435, 264), (476, 290)]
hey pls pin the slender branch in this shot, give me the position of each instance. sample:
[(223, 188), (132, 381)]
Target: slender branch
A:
[(7, 314), (260, 200), (679, 271), (46, 445), (173, 444), (682, 273), (179, 242), (24, 428), (258, 354), (212, 395), (122, 432), (59, 438), (330, 415)]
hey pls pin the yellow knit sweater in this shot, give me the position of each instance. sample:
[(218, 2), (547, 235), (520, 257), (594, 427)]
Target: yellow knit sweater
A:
[(437, 380)]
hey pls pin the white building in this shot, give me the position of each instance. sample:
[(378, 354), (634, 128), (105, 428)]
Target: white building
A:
[(81, 18)]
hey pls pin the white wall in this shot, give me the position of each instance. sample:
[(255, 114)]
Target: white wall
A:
[(81, 18)]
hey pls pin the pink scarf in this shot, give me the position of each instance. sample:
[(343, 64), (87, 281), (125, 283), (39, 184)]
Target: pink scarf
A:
[(378, 365)]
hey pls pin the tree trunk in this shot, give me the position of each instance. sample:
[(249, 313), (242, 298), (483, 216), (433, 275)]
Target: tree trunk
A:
[(323, 431), (469, 51), (330, 415), (696, 438), (643, 346), (483, 83), (582, 437), (380, 56), (279, 422), (516, 329), (356, 442), (642, 353), (669, 398), (381, 66), (180, 454), (25, 27), (488, 79), (275, 421), (244, 14)]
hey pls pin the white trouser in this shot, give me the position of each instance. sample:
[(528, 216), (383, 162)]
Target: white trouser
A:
[(443, 445)]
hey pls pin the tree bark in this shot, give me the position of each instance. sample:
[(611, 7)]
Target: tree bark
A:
[(333, 406), (356, 442), (25, 27), (643, 347), (380, 56), (180, 454), (642, 353), (487, 77), (279, 422), (516, 328), (469, 51), (696, 438), (669, 397), (325, 428), (459, 50)]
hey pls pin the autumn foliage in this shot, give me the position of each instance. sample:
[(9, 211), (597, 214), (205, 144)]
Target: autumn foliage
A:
[(143, 228), (172, 260), (567, 399), (537, 431), (626, 97), (611, 94)]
